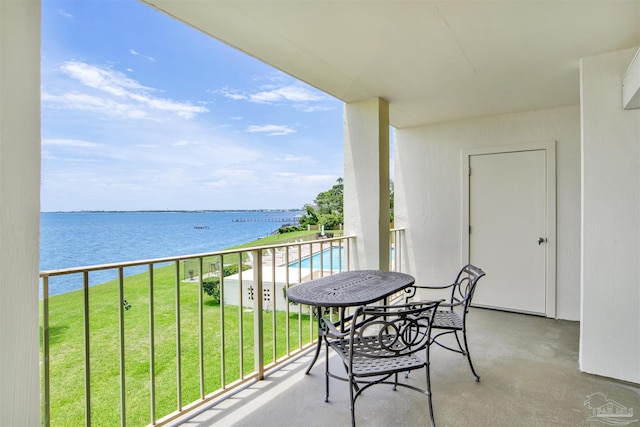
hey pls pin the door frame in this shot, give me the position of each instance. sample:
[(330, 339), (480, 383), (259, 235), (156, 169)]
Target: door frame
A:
[(549, 148)]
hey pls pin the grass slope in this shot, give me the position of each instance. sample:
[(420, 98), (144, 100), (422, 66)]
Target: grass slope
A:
[(222, 362)]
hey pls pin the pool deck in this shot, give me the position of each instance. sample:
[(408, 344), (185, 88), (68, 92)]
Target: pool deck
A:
[(297, 251)]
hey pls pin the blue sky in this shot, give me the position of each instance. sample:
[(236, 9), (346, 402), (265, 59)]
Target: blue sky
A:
[(143, 112)]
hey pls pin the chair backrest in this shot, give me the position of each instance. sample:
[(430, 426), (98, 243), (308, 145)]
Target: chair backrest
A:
[(465, 285), (391, 331)]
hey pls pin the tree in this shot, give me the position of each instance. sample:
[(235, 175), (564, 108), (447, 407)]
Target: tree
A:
[(328, 210), (331, 201), (331, 221), (310, 217), (329, 207), (391, 192)]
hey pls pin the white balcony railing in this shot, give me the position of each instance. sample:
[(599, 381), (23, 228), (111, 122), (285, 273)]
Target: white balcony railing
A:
[(146, 347)]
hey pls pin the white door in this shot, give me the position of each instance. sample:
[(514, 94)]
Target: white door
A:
[(508, 229)]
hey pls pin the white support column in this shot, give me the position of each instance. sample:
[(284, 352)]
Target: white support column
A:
[(19, 212), (366, 182)]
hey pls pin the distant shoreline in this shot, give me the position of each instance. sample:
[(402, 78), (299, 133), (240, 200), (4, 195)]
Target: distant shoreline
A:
[(178, 211)]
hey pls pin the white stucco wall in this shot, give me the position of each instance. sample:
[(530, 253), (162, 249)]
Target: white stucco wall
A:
[(428, 191), (19, 212), (232, 287), (610, 324)]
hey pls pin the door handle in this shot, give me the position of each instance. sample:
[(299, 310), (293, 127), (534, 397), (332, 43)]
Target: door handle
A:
[(541, 240)]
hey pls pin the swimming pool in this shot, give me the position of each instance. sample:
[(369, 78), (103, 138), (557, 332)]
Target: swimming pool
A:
[(332, 259)]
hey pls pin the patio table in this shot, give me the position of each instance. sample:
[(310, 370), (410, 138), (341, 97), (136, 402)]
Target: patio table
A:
[(347, 289)]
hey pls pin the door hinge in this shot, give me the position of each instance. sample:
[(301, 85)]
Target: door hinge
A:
[(469, 171), (469, 229)]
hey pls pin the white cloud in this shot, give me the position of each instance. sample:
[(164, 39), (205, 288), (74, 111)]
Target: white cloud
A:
[(64, 13), (291, 158), (290, 93), (297, 95), (184, 143), (310, 108), (136, 53), (128, 98), (273, 130), (82, 160), (85, 102), (104, 79), (70, 143), (231, 93)]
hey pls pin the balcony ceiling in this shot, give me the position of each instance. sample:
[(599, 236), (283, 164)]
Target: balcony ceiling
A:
[(433, 61)]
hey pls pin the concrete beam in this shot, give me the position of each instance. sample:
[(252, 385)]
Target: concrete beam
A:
[(366, 182)]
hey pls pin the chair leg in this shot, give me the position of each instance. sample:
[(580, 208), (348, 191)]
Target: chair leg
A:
[(326, 374), (466, 350), (352, 402), (428, 371), (462, 350)]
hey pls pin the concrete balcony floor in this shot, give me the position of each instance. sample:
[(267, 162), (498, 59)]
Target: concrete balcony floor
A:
[(529, 377)]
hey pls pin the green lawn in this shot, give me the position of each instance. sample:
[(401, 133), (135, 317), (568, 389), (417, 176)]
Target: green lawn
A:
[(277, 239), (67, 349)]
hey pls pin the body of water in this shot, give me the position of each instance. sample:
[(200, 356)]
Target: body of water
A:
[(332, 259), (75, 239)]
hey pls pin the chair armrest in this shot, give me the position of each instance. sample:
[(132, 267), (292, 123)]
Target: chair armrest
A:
[(449, 305), (410, 291), (329, 329), (432, 287)]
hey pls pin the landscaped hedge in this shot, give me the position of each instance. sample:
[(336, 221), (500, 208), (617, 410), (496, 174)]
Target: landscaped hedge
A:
[(290, 228), (211, 285)]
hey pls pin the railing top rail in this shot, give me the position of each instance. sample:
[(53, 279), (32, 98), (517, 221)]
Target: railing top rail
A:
[(82, 269)]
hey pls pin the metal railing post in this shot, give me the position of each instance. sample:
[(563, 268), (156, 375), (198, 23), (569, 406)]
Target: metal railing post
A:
[(152, 345), (123, 392), (286, 301), (201, 326), (87, 352), (222, 349), (45, 345), (178, 343), (258, 320), (273, 297), (240, 316)]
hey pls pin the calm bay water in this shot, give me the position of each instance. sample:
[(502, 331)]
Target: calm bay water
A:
[(74, 239)]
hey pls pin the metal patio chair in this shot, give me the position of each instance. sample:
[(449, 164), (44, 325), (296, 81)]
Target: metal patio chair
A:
[(453, 317), (382, 341)]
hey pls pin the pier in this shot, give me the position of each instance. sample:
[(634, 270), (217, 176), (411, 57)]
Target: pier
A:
[(283, 220)]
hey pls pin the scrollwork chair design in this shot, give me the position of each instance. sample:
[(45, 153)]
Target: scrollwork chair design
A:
[(453, 317), (382, 342)]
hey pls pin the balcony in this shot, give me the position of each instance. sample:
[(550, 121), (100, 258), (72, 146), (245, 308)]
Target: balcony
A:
[(529, 377), (187, 366), (148, 345)]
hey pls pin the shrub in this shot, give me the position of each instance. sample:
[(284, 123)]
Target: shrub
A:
[(211, 285), (331, 221), (290, 228)]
